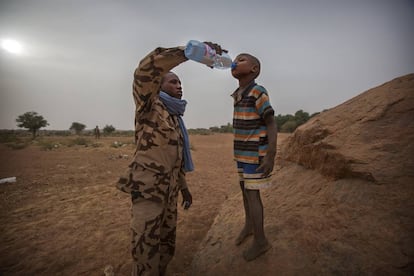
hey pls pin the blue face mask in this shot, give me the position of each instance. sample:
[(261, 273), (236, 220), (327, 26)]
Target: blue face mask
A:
[(233, 65)]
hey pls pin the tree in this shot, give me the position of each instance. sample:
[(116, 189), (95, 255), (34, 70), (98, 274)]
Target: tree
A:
[(226, 128), (108, 129), (301, 117), (77, 127), (289, 126), (282, 119), (222, 129), (214, 129), (32, 121)]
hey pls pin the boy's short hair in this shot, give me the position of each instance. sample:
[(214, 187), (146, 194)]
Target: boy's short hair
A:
[(253, 59)]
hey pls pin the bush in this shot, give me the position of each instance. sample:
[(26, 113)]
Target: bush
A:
[(96, 145), (47, 145), (17, 145), (9, 137), (79, 141), (200, 131), (108, 129), (289, 126), (14, 140)]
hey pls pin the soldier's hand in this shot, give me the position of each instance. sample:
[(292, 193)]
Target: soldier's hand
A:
[(187, 199), (216, 47)]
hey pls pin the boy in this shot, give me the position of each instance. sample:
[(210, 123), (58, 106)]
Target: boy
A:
[(255, 138)]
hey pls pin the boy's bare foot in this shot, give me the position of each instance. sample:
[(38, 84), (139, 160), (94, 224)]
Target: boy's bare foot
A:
[(243, 235), (256, 250)]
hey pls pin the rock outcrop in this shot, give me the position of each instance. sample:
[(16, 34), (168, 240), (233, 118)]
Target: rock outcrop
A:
[(370, 136)]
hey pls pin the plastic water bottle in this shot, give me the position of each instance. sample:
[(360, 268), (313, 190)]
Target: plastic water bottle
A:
[(201, 52)]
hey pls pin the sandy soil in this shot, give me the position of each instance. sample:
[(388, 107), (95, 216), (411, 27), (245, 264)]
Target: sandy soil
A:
[(64, 215)]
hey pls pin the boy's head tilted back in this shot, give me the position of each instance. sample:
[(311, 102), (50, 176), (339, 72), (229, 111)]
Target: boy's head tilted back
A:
[(256, 64), (246, 66)]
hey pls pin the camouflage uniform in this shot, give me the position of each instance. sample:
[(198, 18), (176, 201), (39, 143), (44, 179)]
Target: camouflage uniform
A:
[(156, 174)]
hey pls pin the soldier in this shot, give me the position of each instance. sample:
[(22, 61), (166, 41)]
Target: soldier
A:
[(162, 157)]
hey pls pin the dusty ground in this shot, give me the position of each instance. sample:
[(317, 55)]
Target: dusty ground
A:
[(349, 213), (64, 216)]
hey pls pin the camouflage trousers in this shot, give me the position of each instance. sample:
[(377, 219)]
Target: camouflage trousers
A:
[(153, 227)]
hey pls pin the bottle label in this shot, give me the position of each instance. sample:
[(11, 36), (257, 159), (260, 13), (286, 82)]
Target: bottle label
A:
[(209, 52)]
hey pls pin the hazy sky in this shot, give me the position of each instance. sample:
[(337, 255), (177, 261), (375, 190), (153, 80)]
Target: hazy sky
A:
[(78, 56)]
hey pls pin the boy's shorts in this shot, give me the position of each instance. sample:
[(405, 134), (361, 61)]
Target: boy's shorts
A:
[(252, 180)]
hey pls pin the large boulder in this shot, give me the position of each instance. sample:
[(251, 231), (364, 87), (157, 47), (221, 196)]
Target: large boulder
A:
[(370, 136)]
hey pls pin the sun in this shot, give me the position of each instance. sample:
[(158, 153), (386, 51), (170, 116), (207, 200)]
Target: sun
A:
[(12, 46)]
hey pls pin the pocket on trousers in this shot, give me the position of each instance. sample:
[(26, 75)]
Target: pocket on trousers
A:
[(144, 213)]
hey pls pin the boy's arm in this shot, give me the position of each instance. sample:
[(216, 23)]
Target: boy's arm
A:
[(272, 135), (269, 160), (266, 111)]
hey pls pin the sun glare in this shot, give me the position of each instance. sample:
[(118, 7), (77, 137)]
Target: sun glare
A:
[(12, 46)]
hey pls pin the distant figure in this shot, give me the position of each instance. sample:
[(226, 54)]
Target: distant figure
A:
[(255, 137), (97, 133)]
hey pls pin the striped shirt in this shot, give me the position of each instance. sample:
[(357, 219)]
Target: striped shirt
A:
[(251, 107)]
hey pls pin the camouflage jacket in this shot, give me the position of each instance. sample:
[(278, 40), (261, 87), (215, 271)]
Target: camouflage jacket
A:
[(159, 141)]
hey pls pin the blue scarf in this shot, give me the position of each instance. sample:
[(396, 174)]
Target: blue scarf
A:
[(177, 107)]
